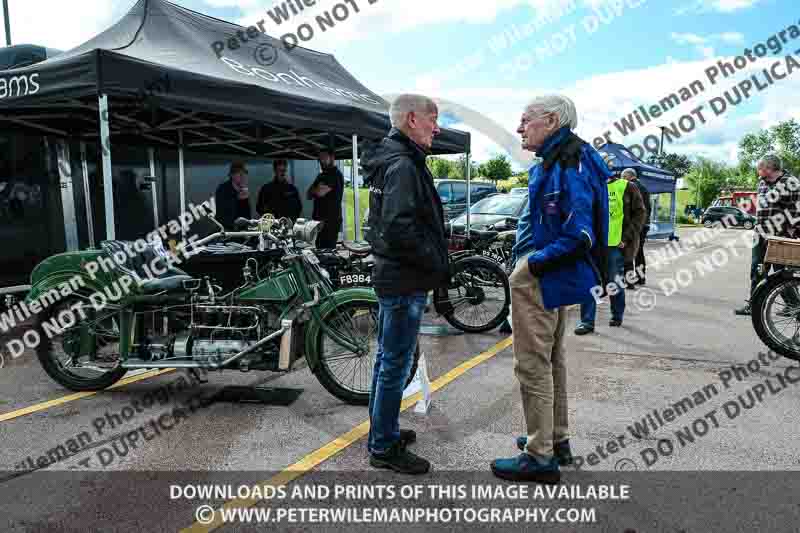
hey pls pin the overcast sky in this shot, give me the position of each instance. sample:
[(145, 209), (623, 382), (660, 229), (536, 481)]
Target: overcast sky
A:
[(610, 56)]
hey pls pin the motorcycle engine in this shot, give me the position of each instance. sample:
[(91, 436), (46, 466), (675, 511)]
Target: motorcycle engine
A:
[(213, 332), (207, 348)]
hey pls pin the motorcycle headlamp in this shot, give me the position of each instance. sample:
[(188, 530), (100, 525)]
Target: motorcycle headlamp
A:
[(306, 230)]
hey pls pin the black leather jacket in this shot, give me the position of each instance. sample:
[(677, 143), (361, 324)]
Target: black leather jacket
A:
[(405, 218)]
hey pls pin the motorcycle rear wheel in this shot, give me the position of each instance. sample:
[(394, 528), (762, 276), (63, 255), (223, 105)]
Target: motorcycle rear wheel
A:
[(478, 296), (54, 345), (776, 320), (343, 373)]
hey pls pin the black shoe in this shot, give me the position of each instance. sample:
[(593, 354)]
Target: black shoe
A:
[(584, 329), (641, 281), (400, 460), (505, 327), (743, 311), (407, 436), (615, 323), (561, 450)]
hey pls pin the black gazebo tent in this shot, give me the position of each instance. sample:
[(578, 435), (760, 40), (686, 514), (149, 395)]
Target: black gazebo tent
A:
[(155, 79)]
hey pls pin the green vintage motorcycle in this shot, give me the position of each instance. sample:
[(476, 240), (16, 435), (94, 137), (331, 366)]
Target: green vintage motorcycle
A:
[(284, 311)]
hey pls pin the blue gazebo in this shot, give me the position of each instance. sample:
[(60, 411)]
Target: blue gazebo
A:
[(657, 180)]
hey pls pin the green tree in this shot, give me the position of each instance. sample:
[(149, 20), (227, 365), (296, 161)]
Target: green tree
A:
[(497, 168), (707, 178), (460, 168), (440, 168), (782, 139), (678, 164)]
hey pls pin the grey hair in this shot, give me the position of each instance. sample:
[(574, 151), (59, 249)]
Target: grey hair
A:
[(562, 106), (628, 172), (771, 161), (408, 103)]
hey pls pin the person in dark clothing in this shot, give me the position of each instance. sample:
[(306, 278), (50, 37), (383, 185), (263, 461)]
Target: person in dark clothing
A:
[(233, 197), (280, 197), (406, 231), (327, 191), (630, 175), (778, 199)]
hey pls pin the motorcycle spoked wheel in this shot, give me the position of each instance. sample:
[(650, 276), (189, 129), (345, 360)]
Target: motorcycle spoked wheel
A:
[(343, 373), (478, 296), (59, 354), (776, 321)]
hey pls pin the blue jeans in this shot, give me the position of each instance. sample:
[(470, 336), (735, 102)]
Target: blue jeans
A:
[(616, 267), (399, 319)]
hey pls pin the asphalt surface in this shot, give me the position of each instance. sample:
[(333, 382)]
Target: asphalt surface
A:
[(671, 346)]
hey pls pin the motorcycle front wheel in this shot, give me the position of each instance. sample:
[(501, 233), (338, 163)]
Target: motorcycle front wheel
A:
[(59, 351), (775, 312), (478, 296), (347, 374)]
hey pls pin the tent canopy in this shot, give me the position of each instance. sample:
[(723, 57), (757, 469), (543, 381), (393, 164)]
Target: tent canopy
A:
[(656, 180), (164, 71)]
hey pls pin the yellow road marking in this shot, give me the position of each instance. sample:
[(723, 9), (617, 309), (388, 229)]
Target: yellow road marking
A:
[(321, 455), (78, 395)]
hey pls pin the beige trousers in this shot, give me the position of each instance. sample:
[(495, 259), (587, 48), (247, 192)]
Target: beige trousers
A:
[(539, 362)]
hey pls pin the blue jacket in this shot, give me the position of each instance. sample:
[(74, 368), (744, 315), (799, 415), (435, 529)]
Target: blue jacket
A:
[(566, 221)]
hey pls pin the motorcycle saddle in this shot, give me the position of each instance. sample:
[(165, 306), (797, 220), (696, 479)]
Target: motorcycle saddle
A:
[(486, 235), (357, 247), (134, 265)]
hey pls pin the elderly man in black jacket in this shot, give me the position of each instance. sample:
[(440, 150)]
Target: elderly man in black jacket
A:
[(408, 241)]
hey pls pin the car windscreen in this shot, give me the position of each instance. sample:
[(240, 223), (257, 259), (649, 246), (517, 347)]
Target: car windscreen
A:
[(499, 205)]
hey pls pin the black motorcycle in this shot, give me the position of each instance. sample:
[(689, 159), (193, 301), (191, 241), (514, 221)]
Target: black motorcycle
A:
[(775, 303)]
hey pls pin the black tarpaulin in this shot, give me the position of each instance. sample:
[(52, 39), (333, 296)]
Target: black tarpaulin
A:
[(162, 75)]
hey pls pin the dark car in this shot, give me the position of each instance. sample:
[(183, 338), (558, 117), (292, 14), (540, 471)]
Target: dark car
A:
[(453, 194), (497, 212), (728, 215)]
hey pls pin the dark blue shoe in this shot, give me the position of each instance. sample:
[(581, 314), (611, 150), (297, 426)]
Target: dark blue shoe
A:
[(561, 450), (525, 468)]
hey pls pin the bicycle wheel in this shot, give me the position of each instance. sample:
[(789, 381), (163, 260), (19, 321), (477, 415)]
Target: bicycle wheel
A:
[(478, 296)]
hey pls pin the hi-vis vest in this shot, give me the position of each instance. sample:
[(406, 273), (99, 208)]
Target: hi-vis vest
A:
[(616, 192)]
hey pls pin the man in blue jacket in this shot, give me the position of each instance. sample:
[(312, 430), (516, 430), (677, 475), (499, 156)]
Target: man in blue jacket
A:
[(559, 256)]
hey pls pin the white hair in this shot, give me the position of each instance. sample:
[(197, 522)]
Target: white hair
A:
[(628, 172), (408, 103), (562, 106), (771, 161)]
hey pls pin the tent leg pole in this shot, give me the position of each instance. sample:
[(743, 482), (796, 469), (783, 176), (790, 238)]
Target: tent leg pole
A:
[(87, 195), (672, 210), (182, 178), (354, 181), (469, 189), (343, 232), (153, 189), (108, 182), (67, 198)]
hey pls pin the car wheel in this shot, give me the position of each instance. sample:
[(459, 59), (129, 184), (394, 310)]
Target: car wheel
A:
[(708, 223), (748, 224)]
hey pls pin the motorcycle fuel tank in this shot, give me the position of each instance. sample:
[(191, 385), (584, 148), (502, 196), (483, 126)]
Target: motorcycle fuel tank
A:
[(277, 288)]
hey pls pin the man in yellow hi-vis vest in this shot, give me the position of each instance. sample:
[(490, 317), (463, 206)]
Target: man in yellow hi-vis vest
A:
[(626, 217)]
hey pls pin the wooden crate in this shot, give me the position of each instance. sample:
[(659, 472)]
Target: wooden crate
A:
[(783, 251)]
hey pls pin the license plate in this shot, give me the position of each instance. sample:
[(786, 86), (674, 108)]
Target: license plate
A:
[(355, 279)]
